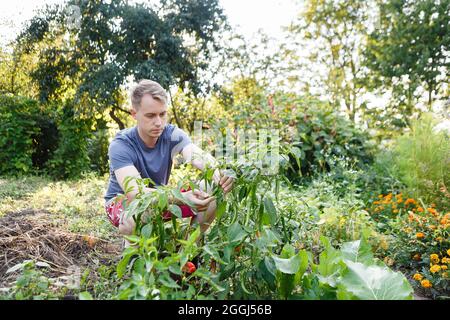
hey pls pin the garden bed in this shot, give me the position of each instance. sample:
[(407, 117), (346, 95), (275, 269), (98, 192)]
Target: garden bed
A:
[(35, 235)]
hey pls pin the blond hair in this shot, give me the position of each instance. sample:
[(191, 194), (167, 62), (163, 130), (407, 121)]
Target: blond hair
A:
[(147, 87)]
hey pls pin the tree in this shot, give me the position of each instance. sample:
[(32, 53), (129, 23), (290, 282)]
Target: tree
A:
[(114, 42), (331, 32), (411, 44)]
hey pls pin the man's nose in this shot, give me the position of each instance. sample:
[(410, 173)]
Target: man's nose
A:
[(158, 122)]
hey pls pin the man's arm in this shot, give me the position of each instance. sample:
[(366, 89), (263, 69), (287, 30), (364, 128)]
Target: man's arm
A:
[(130, 171)]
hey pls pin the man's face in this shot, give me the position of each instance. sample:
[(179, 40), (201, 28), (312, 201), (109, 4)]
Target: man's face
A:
[(151, 116)]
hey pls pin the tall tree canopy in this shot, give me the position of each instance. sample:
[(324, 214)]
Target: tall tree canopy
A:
[(412, 43), (90, 57)]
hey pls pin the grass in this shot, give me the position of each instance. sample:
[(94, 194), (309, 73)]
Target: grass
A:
[(77, 206)]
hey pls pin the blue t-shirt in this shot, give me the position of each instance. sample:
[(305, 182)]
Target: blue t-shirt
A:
[(128, 149)]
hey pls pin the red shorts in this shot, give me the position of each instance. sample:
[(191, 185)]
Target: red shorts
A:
[(114, 210)]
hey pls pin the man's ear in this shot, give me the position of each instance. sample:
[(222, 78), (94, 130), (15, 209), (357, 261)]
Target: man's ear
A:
[(133, 112)]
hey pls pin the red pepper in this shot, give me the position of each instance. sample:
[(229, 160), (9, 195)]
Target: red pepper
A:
[(189, 267)]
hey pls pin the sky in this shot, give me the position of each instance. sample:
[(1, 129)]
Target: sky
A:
[(247, 16)]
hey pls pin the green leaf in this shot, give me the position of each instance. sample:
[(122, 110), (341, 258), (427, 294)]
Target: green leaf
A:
[(122, 265), (235, 233), (193, 237), (168, 282), (375, 282), (176, 210), (330, 264), (221, 209), (270, 210), (213, 253), (287, 266), (357, 251), (177, 194), (267, 270), (85, 295), (146, 230)]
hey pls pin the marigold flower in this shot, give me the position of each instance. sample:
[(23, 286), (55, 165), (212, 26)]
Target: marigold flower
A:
[(418, 277), (448, 252), (432, 227), (420, 209), (444, 221), (380, 196), (399, 201), (420, 235), (435, 268), (444, 267), (439, 239), (426, 283), (409, 200), (434, 258), (433, 212), (395, 211), (417, 257), (445, 260)]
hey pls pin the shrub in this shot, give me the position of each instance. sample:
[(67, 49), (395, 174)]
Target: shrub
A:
[(421, 160), (321, 133), (71, 157), (20, 119)]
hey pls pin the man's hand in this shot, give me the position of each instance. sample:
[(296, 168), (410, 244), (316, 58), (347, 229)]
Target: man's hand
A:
[(200, 199), (226, 182)]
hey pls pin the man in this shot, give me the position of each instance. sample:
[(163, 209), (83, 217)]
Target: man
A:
[(147, 151)]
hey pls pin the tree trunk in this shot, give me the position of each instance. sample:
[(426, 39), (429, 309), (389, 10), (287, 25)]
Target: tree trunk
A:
[(174, 110), (430, 96), (116, 119)]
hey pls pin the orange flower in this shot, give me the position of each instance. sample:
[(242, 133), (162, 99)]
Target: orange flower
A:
[(418, 277), (420, 235), (395, 211), (448, 252), (444, 267), (420, 209), (445, 260), (432, 227), (444, 221), (426, 283), (433, 211), (417, 257), (409, 200), (435, 269), (434, 258)]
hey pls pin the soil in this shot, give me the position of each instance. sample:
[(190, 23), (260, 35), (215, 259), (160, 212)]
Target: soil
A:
[(35, 235)]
